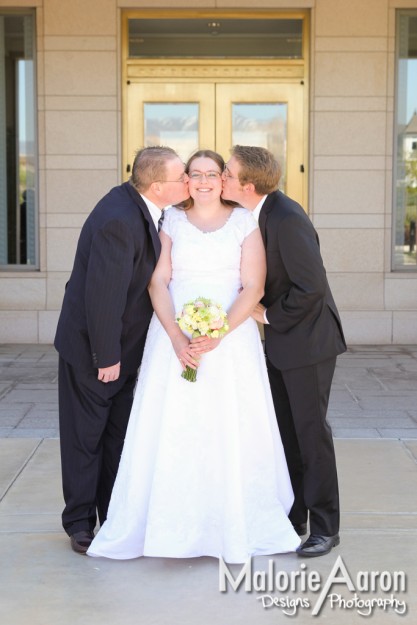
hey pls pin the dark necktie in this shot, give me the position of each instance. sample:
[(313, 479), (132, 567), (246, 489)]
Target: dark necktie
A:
[(161, 220)]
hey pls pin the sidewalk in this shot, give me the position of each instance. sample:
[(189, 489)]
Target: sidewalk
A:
[(373, 413)]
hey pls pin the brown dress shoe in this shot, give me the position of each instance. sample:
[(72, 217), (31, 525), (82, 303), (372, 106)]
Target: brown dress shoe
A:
[(80, 541)]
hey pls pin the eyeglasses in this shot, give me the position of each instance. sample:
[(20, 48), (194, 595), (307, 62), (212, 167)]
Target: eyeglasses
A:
[(210, 175), (227, 174), (183, 178)]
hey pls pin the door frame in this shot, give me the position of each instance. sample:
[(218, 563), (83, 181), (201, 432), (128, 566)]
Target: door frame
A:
[(233, 70)]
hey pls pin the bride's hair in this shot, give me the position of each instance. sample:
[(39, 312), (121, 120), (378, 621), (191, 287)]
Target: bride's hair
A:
[(218, 159)]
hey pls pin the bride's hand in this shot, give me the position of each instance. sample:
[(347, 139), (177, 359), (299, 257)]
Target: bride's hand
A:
[(185, 355), (203, 344)]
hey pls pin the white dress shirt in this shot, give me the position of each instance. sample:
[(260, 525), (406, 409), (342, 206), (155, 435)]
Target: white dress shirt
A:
[(153, 209), (256, 211)]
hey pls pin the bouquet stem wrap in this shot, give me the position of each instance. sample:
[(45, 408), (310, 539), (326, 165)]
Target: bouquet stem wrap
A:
[(201, 317)]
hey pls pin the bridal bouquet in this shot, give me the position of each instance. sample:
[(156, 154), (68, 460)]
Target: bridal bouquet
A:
[(202, 317)]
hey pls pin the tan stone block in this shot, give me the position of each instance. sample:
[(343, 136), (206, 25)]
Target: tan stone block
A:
[(350, 133), (77, 191), (388, 244), (55, 289), (265, 4), (40, 73), (350, 74), (350, 44), (169, 4), (41, 133), (349, 192), (80, 73), (77, 17), (389, 136), (352, 250), (393, 4), (401, 292), (47, 325), (65, 220), (367, 328), (18, 327), (352, 163), (356, 18), (80, 43), (40, 34), (42, 192), (405, 328), (369, 103), (353, 291), (41, 102), (42, 248), (61, 248), (21, 3), (18, 293), (341, 221), (81, 103), (81, 132), (77, 161)]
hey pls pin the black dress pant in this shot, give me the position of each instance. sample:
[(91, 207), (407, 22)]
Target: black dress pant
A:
[(93, 419), (301, 398)]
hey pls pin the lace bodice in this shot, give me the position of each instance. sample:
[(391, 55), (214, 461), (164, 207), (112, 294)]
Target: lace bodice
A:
[(206, 261)]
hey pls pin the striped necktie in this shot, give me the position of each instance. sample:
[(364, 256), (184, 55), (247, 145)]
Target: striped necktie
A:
[(161, 220)]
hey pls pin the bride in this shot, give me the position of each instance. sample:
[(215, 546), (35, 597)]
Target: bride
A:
[(203, 471)]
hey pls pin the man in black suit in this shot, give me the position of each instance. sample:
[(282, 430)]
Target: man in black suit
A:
[(101, 333), (303, 336)]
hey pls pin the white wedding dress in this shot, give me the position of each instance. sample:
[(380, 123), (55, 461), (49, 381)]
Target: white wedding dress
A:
[(203, 471)]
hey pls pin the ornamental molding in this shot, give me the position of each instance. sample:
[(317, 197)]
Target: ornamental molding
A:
[(210, 72)]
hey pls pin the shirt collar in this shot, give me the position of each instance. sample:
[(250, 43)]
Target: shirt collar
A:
[(258, 207), (155, 212)]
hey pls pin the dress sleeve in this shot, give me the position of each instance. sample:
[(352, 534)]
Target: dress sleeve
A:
[(248, 222)]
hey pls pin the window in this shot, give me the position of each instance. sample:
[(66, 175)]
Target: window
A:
[(405, 184), (220, 37), (18, 180)]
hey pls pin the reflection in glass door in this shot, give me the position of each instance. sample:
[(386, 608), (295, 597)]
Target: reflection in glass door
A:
[(173, 124), (263, 125), (180, 115), (268, 115)]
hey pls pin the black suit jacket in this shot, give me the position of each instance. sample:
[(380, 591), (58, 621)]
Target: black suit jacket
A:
[(106, 308), (304, 324)]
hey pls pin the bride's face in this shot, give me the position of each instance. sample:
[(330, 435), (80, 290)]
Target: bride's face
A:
[(204, 179)]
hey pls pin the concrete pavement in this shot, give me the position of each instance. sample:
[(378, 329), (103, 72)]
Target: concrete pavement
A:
[(373, 412)]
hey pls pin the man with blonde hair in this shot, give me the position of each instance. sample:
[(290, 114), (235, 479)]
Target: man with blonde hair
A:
[(101, 333), (303, 336)]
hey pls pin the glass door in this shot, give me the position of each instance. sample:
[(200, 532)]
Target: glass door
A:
[(180, 115), (268, 116), (189, 116)]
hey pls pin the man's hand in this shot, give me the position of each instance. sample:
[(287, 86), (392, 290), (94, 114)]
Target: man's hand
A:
[(109, 374), (258, 313)]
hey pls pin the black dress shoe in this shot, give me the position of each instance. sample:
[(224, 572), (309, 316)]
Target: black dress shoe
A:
[(80, 541), (317, 545), (300, 528)]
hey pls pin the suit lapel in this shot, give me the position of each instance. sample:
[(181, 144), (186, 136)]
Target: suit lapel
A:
[(147, 217), (263, 216), (152, 230)]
